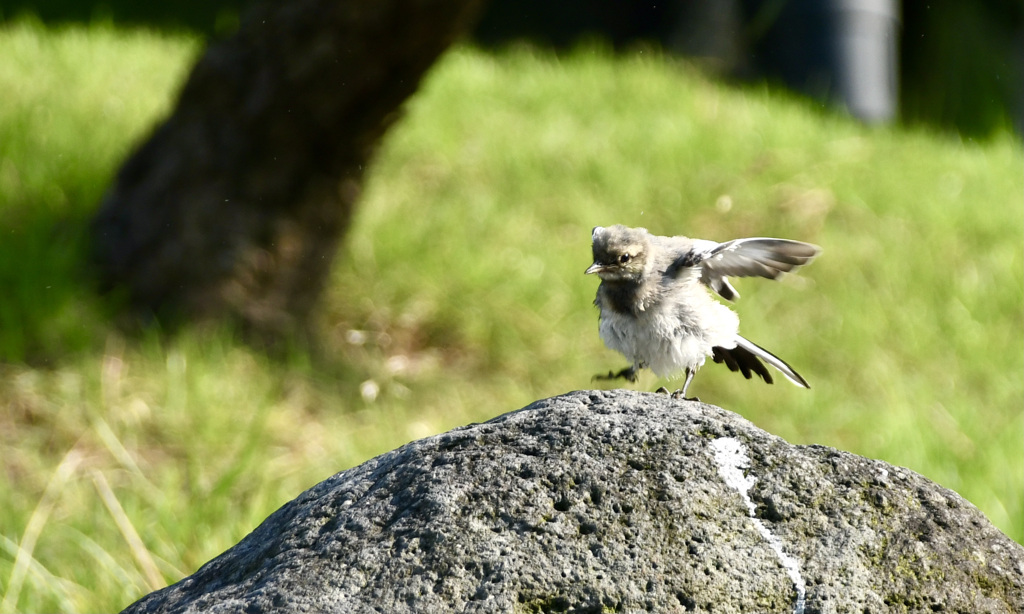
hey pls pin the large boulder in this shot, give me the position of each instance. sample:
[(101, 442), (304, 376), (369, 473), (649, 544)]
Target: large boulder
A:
[(614, 501)]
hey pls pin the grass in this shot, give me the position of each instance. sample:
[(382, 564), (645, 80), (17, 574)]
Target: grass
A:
[(459, 295)]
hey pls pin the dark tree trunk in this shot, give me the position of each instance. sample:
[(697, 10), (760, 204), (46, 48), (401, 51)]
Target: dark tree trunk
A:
[(236, 204)]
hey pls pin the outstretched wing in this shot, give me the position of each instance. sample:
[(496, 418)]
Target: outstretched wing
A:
[(755, 257)]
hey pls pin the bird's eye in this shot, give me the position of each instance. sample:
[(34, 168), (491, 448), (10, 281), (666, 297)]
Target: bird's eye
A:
[(624, 258)]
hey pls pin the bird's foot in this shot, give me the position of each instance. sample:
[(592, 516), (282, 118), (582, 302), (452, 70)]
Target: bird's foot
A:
[(678, 394), (681, 394), (628, 374)]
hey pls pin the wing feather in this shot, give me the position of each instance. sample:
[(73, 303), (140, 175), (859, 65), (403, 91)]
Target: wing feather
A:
[(755, 257)]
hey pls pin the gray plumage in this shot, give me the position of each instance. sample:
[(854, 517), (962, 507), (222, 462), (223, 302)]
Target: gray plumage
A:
[(656, 308)]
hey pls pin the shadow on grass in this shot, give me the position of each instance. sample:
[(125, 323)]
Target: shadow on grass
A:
[(50, 308)]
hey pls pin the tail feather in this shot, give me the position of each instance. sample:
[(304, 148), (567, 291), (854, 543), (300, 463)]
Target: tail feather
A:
[(746, 357), (738, 359)]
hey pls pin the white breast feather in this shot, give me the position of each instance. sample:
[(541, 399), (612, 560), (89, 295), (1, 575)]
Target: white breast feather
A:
[(665, 339)]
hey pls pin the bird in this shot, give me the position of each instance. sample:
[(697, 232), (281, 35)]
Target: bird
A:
[(657, 308)]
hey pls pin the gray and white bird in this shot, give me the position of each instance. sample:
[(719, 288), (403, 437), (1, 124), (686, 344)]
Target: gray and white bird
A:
[(657, 310)]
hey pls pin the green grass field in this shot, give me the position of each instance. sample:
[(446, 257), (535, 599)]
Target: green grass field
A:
[(460, 295)]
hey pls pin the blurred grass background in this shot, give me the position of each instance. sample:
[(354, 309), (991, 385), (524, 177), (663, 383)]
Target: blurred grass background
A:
[(459, 294)]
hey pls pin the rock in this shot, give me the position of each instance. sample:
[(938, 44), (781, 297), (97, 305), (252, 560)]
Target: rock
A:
[(614, 501)]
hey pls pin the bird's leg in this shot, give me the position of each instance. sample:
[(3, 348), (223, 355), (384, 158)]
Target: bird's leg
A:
[(681, 393), (628, 374)]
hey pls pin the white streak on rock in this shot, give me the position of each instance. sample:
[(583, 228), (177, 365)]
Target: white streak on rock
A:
[(731, 457)]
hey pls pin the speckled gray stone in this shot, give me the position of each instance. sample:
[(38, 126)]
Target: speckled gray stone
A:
[(612, 501)]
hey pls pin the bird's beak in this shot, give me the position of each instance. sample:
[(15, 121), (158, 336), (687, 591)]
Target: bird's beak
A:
[(594, 268)]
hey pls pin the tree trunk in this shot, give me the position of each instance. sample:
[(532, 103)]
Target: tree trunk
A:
[(236, 204)]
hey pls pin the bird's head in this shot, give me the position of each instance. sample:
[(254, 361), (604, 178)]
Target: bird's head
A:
[(620, 253)]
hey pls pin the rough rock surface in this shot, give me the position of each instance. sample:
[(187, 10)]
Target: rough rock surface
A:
[(614, 501)]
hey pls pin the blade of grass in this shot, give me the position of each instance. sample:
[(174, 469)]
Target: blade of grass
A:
[(154, 579), (60, 588), (37, 522)]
